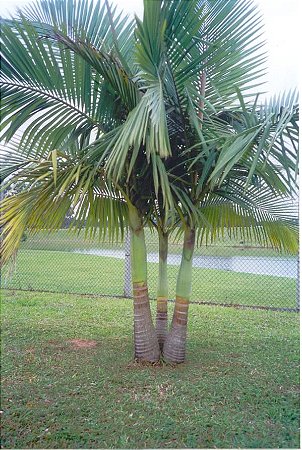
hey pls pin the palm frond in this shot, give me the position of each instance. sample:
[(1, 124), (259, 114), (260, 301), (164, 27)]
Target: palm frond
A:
[(49, 92), (48, 189), (255, 216), (220, 39), (105, 64), (265, 143), (98, 22)]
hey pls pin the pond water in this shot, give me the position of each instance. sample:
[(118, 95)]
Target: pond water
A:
[(276, 266)]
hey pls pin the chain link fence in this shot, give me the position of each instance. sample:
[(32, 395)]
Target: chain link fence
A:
[(228, 273)]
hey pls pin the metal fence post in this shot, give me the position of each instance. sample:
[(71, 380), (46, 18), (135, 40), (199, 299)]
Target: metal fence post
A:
[(127, 266)]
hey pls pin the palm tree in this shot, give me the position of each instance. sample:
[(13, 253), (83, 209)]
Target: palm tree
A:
[(96, 104), (257, 190), (106, 110)]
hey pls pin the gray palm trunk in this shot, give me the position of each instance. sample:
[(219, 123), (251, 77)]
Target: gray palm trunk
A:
[(175, 344), (145, 339), (162, 290)]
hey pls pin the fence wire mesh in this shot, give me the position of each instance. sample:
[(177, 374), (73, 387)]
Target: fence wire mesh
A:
[(227, 273)]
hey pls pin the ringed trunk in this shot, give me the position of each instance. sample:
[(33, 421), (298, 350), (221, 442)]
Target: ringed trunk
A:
[(145, 340), (175, 344), (162, 291)]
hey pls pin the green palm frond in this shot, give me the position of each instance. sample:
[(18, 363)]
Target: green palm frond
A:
[(265, 143), (106, 65), (39, 91), (48, 189), (233, 59), (12, 158), (238, 222), (220, 39), (51, 93), (140, 129), (15, 154), (98, 22), (255, 214)]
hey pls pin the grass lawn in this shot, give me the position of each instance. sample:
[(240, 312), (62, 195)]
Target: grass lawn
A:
[(71, 272), (238, 389), (68, 242)]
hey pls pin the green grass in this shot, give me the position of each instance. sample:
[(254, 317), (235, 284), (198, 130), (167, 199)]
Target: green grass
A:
[(76, 273), (238, 389), (63, 240)]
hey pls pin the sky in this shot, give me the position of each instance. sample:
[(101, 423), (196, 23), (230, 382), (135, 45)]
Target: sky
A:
[(282, 23)]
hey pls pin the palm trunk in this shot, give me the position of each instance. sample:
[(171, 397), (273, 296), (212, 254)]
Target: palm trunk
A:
[(145, 340), (162, 291), (175, 344), (127, 266)]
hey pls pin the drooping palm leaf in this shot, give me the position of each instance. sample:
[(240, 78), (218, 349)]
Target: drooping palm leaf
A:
[(254, 214), (48, 189), (265, 143), (98, 22), (40, 92), (54, 86)]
